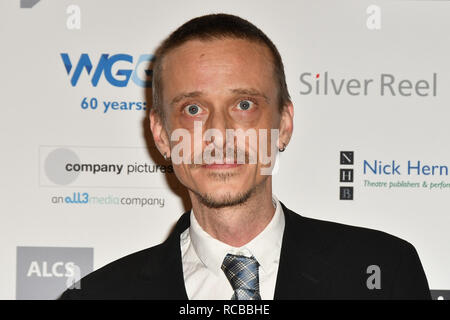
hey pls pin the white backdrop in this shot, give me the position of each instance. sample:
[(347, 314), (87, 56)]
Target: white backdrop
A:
[(53, 218)]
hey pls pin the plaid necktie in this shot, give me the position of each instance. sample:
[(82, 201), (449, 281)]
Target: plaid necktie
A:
[(242, 272)]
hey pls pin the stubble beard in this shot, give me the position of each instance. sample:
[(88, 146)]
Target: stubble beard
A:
[(228, 199)]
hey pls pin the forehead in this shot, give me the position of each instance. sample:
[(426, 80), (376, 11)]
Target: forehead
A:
[(215, 65)]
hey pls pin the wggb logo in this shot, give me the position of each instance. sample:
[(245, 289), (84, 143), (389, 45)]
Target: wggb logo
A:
[(138, 73)]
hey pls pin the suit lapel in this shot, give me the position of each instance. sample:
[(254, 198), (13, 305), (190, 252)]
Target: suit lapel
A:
[(162, 276), (300, 272)]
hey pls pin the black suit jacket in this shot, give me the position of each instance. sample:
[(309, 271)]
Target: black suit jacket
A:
[(319, 260)]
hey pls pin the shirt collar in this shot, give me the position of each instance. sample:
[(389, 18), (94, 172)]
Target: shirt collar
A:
[(265, 247)]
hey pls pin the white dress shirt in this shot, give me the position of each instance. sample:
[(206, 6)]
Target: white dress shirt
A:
[(202, 257)]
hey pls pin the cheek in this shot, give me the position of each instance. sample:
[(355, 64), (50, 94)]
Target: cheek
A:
[(248, 119), (188, 122), (183, 174)]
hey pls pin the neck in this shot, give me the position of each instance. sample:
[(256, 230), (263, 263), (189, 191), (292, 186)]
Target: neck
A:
[(237, 225)]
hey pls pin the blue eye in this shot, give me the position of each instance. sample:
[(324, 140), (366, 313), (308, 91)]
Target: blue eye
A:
[(245, 105), (192, 109)]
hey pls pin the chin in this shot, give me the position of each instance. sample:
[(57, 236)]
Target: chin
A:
[(224, 198), (224, 190)]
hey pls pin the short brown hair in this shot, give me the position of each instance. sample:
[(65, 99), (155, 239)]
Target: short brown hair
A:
[(212, 27)]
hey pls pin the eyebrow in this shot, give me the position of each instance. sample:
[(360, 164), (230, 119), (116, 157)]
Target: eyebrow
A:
[(250, 92), (183, 95), (242, 91)]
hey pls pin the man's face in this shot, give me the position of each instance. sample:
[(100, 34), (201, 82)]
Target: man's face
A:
[(220, 84)]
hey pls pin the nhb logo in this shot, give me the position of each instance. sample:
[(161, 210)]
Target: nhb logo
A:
[(346, 175), (105, 66)]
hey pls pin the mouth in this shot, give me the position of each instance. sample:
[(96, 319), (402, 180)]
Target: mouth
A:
[(221, 166)]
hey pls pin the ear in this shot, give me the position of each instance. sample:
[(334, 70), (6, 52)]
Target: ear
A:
[(286, 124), (159, 133)]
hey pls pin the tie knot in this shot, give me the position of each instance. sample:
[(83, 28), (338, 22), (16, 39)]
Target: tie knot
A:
[(242, 272)]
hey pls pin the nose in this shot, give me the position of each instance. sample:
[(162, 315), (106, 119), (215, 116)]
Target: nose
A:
[(215, 128)]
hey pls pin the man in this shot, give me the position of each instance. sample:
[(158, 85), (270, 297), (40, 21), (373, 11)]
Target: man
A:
[(239, 241)]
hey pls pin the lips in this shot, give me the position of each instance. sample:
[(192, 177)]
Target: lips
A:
[(221, 165)]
